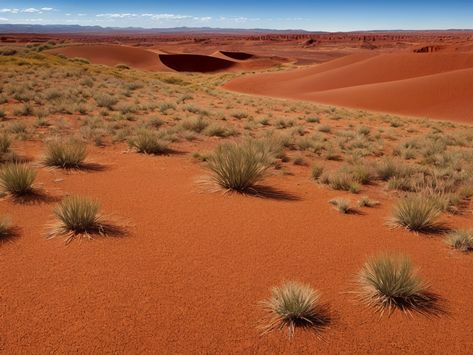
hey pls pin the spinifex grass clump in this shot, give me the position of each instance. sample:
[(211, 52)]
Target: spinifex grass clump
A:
[(17, 179), (461, 240), (389, 282), (239, 167), (148, 143), (292, 305), (65, 154), (416, 213), (77, 216)]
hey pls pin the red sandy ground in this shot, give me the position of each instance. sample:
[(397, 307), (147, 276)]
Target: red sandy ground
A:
[(189, 276)]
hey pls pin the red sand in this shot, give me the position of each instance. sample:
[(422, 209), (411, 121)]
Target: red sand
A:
[(437, 85), (189, 276), (112, 55)]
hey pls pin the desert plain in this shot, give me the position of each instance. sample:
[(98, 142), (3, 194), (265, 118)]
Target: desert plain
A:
[(350, 125)]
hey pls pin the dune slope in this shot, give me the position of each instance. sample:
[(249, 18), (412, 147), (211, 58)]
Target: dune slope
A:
[(437, 85)]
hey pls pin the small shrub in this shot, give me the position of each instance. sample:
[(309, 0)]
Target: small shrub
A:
[(17, 179), (239, 167), (149, 143), (65, 154), (416, 213), (105, 100), (292, 305), (461, 240), (389, 282)]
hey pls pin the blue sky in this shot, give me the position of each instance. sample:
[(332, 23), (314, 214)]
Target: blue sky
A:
[(334, 15)]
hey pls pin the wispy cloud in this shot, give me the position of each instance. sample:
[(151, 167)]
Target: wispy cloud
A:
[(29, 10), (156, 17)]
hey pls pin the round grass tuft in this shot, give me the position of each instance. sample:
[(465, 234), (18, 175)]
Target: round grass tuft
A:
[(17, 179), (416, 213), (389, 282), (65, 154), (239, 167), (292, 305)]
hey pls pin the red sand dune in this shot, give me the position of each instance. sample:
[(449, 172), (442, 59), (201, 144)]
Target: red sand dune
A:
[(437, 85), (114, 54), (157, 60)]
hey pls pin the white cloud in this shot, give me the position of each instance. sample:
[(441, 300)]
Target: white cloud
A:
[(29, 10), (156, 17), (3, 19), (9, 11)]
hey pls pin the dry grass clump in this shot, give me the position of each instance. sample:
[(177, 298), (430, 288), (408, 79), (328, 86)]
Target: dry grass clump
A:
[(365, 201), (292, 305), (416, 213), (77, 216), (389, 282), (342, 205), (148, 143), (239, 167), (17, 179), (65, 154), (317, 171), (461, 240), (340, 180)]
